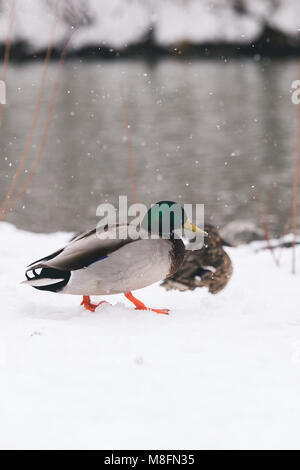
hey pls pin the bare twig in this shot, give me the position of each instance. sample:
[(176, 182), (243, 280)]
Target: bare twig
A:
[(267, 210), (286, 228), (129, 144), (46, 128), (265, 225), (24, 156), (296, 186)]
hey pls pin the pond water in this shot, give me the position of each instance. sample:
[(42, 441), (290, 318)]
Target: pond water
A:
[(202, 132)]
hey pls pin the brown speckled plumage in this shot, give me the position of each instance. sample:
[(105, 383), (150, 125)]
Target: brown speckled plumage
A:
[(177, 255), (209, 267)]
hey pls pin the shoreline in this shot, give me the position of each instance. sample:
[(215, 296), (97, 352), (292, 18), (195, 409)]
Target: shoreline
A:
[(270, 45)]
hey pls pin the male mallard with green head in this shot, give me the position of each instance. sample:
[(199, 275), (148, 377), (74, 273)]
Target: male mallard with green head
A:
[(209, 267), (110, 262)]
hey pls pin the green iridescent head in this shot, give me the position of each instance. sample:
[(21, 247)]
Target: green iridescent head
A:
[(165, 217)]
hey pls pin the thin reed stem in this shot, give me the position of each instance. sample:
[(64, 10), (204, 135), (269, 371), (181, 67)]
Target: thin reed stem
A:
[(296, 186), (41, 148), (24, 156), (265, 228), (130, 146)]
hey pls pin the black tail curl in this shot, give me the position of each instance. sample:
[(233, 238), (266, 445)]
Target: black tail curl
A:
[(48, 273)]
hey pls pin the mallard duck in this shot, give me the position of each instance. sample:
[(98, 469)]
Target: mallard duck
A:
[(110, 262), (209, 267)]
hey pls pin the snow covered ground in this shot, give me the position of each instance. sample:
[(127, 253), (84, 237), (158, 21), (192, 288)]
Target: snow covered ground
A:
[(218, 372), (118, 23)]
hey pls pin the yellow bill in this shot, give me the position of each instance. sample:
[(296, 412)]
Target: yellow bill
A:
[(193, 228)]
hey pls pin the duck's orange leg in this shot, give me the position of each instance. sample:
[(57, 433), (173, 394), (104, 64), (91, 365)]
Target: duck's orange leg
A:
[(86, 302), (140, 306)]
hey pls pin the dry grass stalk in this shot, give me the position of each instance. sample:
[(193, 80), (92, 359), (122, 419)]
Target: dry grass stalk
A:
[(41, 148), (130, 146), (296, 186), (265, 224), (3, 209)]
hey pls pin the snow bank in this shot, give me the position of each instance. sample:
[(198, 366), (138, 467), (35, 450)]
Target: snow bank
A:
[(218, 372), (118, 23)]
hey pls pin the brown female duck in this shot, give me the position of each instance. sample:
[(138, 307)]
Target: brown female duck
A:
[(209, 267)]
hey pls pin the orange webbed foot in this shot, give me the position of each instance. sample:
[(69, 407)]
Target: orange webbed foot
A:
[(140, 306), (163, 311), (86, 302)]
